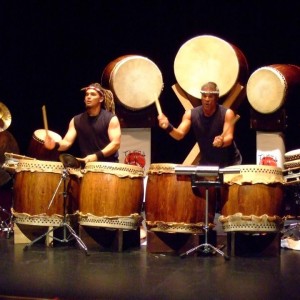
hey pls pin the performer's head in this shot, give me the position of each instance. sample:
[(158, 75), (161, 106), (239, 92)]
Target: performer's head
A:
[(209, 97), (102, 94), (210, 88)]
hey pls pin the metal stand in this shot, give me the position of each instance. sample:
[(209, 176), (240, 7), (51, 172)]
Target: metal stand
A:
[(7, 224), (205, 247), (64, 223)]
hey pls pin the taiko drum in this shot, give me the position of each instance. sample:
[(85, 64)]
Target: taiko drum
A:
[(111, 195), (36, 183), (171, 205), (253, 199)]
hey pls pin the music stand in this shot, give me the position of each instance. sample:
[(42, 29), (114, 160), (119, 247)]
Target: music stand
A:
[(196, 173), (68, 162)]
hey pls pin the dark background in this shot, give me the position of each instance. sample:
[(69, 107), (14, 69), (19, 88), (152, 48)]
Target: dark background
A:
[(50, 49)]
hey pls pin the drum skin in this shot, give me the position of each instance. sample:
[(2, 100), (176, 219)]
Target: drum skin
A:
[(208, 58), (271, 87), (170, 199), (134, 80), (106, 194), (36, 147)]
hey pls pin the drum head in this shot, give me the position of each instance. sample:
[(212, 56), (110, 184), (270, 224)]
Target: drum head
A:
[(40, 135), (136, 81), (206, 58), (266, 90)]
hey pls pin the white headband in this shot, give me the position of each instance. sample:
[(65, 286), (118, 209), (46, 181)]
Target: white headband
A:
[(209, 92)]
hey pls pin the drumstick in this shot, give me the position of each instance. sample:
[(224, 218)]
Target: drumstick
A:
[(45, 119), (159, 110), (158, 107), (13, 155), (236, 118)]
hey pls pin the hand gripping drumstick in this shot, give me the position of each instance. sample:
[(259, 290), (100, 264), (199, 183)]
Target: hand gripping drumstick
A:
[(236, 118), (159, 110)]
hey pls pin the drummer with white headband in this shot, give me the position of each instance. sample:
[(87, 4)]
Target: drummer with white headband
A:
[(213, 126), (97, 130)]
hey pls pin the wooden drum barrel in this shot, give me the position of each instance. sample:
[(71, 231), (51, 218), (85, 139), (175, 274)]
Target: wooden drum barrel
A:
[(34, 187), (111, 195), (171, 205), (253, 199)]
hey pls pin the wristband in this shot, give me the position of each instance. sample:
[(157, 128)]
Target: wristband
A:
[(57, 145), (169, 128), (99, 155)]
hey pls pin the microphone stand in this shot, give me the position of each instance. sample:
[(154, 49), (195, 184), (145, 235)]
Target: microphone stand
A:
[(64, 224)]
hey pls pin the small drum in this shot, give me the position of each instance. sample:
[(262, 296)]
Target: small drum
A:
[(36, 183), (36, 146), (134, 80), (111, 195), (171, 205), (253, 199), (268, 87), (209, 58)]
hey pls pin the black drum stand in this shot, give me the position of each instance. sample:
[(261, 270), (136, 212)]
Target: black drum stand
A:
[(198, 179), (66, 227), (6, 224)]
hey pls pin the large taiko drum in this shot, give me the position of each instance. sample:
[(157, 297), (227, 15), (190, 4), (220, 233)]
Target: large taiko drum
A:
[(111, 195), (135, 81), (36, 147), (253, 199), (37, 185), (269, 87), (209, 58), (172, 206)]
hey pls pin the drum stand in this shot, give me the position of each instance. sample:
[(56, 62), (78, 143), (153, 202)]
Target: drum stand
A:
[(205, 247), (64, 224), (7, 224)]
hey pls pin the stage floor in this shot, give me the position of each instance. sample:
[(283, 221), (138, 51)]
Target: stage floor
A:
[(66, 272)]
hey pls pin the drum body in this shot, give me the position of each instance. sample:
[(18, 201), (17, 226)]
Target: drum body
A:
[(171, 205), (269, 87), (253, 199), (134, 80), (111, 195), (36, 147), (209, 58), (36, 184)]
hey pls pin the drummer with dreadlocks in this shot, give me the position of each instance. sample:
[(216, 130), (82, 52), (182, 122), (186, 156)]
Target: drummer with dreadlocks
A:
[(97, 130)]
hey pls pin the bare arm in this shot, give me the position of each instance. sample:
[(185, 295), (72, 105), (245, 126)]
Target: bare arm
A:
[(226, 138), (66, 142), (183, 128)]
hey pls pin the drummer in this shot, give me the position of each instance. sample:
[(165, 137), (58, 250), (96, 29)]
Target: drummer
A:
[(97, 130), (213, 127)]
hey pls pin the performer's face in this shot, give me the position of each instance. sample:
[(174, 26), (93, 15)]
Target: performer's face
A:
[(92, 98), (209, 101)]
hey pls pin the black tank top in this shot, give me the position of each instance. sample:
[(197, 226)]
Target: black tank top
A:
[(92, 133), (205, 130)]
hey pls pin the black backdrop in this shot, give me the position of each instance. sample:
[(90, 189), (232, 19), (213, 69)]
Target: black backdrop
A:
[(50, 49)]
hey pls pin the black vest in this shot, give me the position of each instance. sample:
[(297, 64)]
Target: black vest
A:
[(92, 133), (205, 130)]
